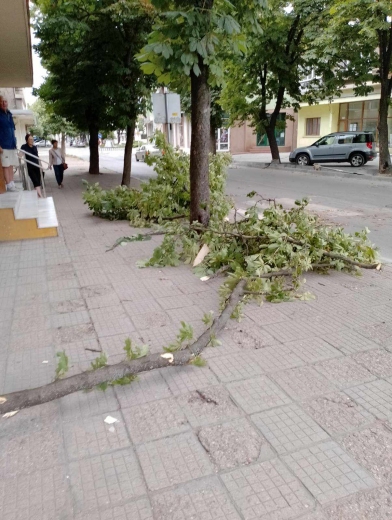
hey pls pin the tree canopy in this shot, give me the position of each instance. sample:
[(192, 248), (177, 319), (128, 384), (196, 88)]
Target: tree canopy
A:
[(188, 40), (272, 69), (49, 123), (360, 31), (89, 47)]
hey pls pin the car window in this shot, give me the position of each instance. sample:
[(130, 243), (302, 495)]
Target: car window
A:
[(345, 139), (327, 140), (363, 138), (143, 148)]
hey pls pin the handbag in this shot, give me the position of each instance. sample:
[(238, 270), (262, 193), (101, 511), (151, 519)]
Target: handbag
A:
[(65, 166)]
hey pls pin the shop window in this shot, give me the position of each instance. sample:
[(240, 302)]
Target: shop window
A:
[(313, 125), (370, 110), (355, 110), (280, 134)]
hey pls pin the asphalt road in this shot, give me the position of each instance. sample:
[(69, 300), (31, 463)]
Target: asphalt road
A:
[(355, 203), (113, 161)]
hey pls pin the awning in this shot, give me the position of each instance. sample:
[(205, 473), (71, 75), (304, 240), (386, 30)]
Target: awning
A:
[(16, 67)]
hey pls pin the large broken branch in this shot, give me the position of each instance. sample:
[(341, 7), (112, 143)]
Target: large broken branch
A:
[(107, 374), (265, 238)]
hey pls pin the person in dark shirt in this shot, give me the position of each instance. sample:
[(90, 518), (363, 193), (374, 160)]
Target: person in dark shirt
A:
[(8, 152), (33, 171)]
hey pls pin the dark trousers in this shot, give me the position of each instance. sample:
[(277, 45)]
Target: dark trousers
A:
[(59, 173)]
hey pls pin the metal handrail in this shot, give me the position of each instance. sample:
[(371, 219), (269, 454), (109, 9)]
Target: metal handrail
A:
[(32, 155), (37, 165), (26, 181)]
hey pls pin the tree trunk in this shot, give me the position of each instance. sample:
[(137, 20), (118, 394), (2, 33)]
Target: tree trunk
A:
[(63, 144), (200, 146), (270, 131), (212, 139), (118, 136), (94, 152), (126, 178), (385, 165)]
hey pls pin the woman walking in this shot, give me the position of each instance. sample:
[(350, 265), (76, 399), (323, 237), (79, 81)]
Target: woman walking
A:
[(33, 169), (57, 161)]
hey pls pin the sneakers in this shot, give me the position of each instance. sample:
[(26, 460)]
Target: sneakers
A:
[(11, 187)]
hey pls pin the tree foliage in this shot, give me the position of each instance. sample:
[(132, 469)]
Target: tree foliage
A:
[(359, 44), (276, 61), (89, 47), (49, 123)]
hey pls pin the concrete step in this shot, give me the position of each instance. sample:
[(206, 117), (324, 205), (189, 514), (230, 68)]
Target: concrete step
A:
[(8, 200), (47, 217), (26, 205)]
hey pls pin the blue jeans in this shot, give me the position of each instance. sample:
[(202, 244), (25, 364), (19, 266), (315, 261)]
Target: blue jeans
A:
[(59, 173)]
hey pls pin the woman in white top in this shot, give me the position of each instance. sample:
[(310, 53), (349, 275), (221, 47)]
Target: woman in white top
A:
[(57, 161)]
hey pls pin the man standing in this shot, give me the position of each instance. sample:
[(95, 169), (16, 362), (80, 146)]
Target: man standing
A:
[(8, 152)]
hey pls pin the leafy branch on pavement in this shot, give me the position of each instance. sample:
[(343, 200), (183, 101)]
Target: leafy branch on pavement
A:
[(270, 247), (165, 198), (123, 372)]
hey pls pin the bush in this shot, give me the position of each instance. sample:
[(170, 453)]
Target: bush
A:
[(110, 204), (165, 197)]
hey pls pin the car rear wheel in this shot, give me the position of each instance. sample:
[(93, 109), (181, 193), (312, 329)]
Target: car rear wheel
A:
[(303, 159), (357, 159), (137, 158)]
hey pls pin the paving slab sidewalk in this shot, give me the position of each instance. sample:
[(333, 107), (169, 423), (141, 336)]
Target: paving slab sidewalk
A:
[(290, 419)]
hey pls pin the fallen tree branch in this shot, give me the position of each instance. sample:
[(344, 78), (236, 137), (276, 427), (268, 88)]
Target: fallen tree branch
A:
[(175, 217), (291, 240), (272, 274), (336, 256), (86, 380), (220, 271)]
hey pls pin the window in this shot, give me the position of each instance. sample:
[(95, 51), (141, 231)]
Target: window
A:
[(313, 126), (280, 133), (361, 116), (345, 139), (326, 141), (370, 110)]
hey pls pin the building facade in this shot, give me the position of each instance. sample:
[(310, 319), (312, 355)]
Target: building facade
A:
[(346, 113), (244, 139)]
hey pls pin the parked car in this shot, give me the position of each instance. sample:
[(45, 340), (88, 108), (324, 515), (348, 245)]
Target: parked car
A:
[(357, 148), (43, 143), (147, 149)]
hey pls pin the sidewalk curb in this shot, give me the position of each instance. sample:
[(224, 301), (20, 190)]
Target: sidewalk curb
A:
[(328, 171)]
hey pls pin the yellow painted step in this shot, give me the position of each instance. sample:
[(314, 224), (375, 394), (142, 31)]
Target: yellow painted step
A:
[(11, 229)]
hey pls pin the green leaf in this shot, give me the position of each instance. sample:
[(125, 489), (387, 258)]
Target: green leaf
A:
[(196, 69), (62, 364), (148, 68), (208, 318), (198, 361), (99, 362), (136, 352)]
